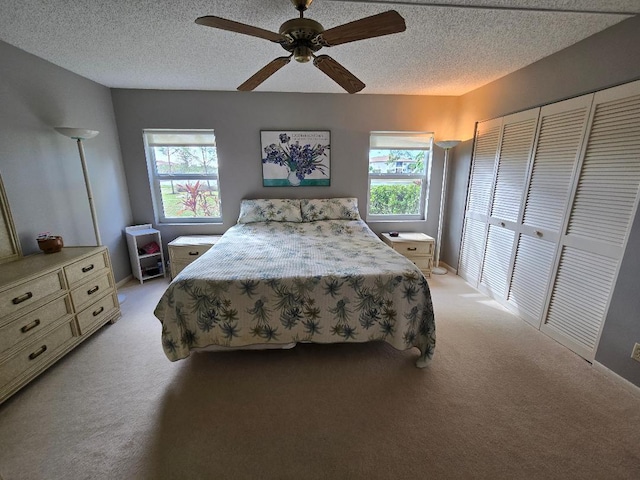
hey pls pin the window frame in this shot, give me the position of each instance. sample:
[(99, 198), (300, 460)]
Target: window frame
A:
[(425, 176), (156, 178)]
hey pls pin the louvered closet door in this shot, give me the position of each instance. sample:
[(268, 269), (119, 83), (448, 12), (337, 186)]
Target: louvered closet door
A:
[(483, 164), (518, 134), (604, 205), (561, 131)]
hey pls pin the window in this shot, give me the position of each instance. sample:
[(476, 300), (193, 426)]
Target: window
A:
[(399, 167), (183, 173)]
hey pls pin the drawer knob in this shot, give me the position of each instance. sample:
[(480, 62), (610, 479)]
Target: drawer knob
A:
[(538, 233), (38, 352), (93, 290), (30, 326), (194, 253), (22, 298), (502, 224), (87, 268), (98, 311), (412, 249)]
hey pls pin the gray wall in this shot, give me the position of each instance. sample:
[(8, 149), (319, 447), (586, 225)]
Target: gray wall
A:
[(237, 119), (41, 168), (608, 58), (455, 202)]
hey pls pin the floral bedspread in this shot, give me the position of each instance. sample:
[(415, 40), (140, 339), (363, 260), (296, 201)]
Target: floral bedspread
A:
[(281, 282)]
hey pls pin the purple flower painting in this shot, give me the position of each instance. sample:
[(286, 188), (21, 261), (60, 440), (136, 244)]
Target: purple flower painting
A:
[(295, 158)]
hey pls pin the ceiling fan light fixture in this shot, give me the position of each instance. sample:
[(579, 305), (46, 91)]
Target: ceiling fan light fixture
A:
[(303, 54)]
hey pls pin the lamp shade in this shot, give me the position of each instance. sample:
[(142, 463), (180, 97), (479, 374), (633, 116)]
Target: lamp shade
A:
[(77, 133), (447, 143)]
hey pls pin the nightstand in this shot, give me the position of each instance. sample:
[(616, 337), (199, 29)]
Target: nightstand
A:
[(417, 247), (188, 248)]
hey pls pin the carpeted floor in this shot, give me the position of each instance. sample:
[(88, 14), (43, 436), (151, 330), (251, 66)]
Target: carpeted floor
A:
[(499, 401)]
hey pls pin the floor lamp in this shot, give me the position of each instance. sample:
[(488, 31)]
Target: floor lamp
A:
[(80, 134), (446, 145)]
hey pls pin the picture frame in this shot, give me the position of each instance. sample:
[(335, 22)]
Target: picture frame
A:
[(293, 158)]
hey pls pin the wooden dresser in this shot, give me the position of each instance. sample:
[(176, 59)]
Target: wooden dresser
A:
[(49, 303), (417, 247), (186, 249)]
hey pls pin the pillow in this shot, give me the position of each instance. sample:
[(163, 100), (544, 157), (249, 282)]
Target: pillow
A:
[(270, 210), (329, 209)]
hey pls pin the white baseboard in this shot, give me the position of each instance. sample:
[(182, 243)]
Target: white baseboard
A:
[(617, 378), (124, 281)]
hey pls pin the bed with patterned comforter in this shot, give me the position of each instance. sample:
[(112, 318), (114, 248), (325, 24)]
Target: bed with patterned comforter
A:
[(281, 282)]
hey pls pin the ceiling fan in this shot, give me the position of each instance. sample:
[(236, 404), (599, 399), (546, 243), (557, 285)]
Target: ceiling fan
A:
[(302, 37)]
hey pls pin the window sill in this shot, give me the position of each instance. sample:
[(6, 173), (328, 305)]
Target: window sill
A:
[(186, 224), (396, 220)]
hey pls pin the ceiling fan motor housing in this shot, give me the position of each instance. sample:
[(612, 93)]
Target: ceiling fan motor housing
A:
[(301, 32)]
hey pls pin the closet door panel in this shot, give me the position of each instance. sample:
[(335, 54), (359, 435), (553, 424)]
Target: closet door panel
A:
[(482, 169), (517, 141), (495, 269), (518, 134), (560, 137), (605, 197), (530, 279), (580, 298), (603, 206), (557, 150), (472, 249), (474, 233)]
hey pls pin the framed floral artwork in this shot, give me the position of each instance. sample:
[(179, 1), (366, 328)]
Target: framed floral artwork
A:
[(292, 158)]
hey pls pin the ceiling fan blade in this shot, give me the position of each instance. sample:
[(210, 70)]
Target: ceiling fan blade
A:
[(230, 25), (375, 26), (338, 73), (264, 73)]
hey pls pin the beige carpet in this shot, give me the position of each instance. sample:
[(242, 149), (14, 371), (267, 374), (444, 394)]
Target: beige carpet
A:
[(500, 400)]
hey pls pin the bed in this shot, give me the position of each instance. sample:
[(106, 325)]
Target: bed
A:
[(297, 271)]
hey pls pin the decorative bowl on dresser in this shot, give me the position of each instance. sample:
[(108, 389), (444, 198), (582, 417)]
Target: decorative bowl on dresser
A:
[(49, 304)]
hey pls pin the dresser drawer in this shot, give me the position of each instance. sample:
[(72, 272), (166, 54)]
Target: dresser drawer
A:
[(31, 324), (413, 248), (96, 313), (89, 292), (30, 293), (36, 354), (79, 271), (423, 263), (188, 254)]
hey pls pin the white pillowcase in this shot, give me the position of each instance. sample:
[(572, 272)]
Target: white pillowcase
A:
[(329, 209), (270, 210)]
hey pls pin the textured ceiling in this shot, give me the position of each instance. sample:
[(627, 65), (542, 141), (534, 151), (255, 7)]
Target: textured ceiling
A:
[(155, 44)]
